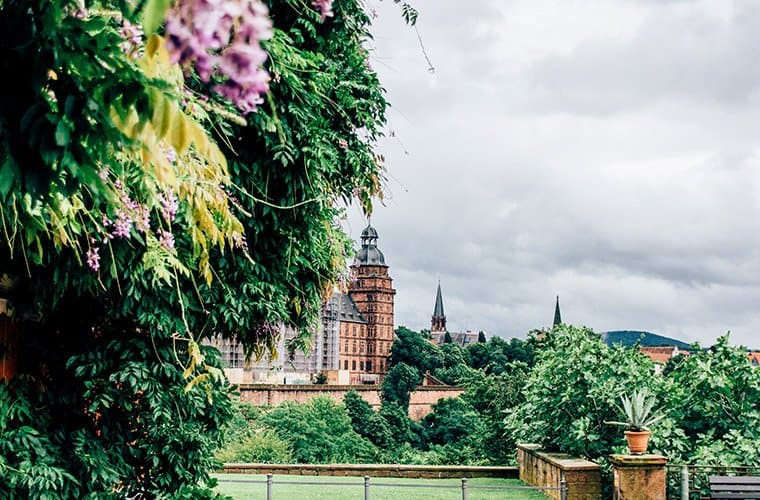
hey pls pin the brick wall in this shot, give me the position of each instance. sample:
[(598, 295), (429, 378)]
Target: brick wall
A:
[(420, 403), (540, 468)]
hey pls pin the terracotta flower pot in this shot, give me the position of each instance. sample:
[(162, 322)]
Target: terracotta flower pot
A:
[(637, 441)]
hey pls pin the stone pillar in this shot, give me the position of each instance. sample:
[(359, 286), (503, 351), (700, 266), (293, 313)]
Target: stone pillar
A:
[(638, 477)]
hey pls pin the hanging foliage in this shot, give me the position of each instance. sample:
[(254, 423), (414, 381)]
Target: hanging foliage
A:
[(167, 172)]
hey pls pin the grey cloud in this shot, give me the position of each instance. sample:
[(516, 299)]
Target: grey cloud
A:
[(673, 56), (512, 193)]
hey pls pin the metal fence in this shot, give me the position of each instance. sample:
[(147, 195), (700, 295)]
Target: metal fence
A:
[(464, 487), (691, 482)]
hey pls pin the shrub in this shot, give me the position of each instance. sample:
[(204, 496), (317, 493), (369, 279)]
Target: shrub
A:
[(258, 447)]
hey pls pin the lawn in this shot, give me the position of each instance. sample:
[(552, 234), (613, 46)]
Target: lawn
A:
[(352, 488)]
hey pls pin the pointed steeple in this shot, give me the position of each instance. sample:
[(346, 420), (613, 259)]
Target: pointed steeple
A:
[(438, 311), (438, 322), (557, 315)]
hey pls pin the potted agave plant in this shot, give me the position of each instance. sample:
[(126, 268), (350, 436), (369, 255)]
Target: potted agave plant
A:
[(640, 415)]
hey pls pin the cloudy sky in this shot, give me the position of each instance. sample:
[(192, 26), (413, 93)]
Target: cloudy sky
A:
[(606, 151)]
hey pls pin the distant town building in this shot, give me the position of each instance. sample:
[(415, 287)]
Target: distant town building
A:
[(353, 342), (438, 330), (660, 355), (754, 358), (557, 315)]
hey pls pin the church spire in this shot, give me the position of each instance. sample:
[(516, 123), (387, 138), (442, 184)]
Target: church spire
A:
[(557, 315), (438, 322)]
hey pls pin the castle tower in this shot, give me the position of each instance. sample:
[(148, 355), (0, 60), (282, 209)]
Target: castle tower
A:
[(371, 290), (438, 322)]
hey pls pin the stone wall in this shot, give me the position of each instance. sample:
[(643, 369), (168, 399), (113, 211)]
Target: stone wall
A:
[(374, 470), (420, 403), (540, 468)]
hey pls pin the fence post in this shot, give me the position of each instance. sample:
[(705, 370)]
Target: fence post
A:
[(684, 482), (464, 489), (269, 486), (563, 489), (366, 487)]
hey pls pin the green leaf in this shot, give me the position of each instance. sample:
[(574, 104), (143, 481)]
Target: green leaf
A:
[(62, 137), (153, 15), (8, 173)]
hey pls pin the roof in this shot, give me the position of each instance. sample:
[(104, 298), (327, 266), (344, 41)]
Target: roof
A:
[(369, 254), (438, 310), (459, 338), (347, 310), (662, 354)]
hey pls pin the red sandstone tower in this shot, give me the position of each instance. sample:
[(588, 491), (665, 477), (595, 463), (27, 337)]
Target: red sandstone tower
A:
[(371, 290)]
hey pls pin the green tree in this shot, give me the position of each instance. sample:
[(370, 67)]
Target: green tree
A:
[(713, 398), (492, 396), (453, 366), (413, 349), (319, 432), (398, 384), (451, 421), (367, 422), (481, 337), (447, 338), (573, 390), (403, 430)]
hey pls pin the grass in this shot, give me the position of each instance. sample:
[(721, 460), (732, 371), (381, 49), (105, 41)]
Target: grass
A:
[(352, 488)]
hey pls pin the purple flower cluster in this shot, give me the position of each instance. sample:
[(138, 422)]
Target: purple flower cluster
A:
[(133, 39), (122, 228), (131, 213), (169, 205), (222, 38), (166, 239), (93, 258), (324, 7)]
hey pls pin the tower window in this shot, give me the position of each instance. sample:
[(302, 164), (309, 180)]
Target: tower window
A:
[(345, 364), (353, 365), (369, 366)]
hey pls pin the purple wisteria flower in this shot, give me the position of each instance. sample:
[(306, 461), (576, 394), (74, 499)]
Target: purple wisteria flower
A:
[(221, 38), (169, 205), (93, 258), (133, 39), (324, 7), (166, 239), (123, 225)]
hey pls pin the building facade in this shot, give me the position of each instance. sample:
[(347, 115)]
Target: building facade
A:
[(352, 344), (367, 346)]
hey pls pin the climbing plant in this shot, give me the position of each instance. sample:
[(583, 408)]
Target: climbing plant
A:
[(168, 172)]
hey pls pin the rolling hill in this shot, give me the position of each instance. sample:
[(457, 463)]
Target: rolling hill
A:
[(629, 337)]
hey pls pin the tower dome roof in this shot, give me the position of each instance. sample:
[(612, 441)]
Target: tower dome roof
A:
[(369, 232), (369, 254)]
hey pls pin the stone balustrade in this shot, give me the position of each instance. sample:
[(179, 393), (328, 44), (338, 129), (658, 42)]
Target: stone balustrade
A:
[(546, 469)]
